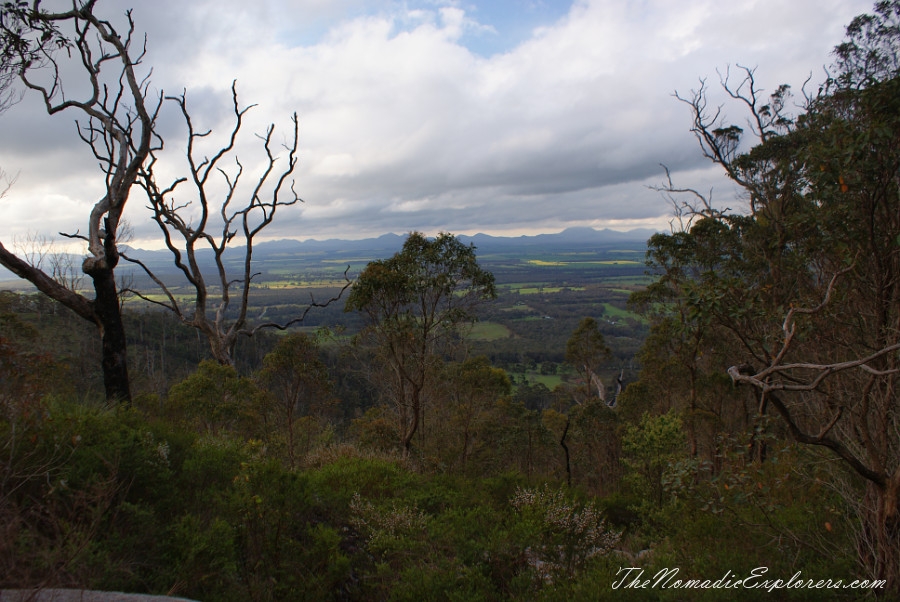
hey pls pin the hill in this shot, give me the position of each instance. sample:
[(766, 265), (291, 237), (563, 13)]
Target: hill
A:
[(290, 256)]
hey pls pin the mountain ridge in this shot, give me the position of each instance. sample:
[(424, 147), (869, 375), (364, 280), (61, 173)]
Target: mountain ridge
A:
[(393, 242), (570, 239)]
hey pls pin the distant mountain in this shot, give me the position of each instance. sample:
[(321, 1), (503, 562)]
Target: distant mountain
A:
[(568, 238), (388, 244)]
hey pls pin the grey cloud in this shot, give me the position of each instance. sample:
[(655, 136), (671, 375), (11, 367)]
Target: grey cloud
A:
[(403, 128)]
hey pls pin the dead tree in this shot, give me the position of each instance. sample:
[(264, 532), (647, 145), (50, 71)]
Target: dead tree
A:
[(116, 120), (202, 224)]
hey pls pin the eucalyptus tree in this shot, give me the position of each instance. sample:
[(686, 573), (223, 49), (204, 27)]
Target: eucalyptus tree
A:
[(299, 385), (416, 303), (586, 350), (805, 294)]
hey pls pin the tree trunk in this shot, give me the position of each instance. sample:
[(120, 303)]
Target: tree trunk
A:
[(881, 530), (103, 311), (562, 442), (222, 350), (112, 334), (413, 425)]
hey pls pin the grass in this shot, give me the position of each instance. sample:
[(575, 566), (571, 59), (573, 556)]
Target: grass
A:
[(611, 311), (489, 331), (533, 288), (551, 381), (640, 281)]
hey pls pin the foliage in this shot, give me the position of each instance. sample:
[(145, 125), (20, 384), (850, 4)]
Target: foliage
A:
[(470, 390), (570, 534), (133, 505), (869, 55), (299, 388), (394, 529), (651, 447), (416, 302), (585, 350), (284, 478), (215, 399), (796, 296)]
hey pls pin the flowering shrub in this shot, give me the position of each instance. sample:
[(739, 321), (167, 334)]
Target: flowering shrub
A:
[(387, 529), (569, 534)]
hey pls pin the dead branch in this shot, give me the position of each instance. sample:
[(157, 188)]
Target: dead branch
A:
[(762, 379), (185, 234), (312, 304), (116, 118), (686, 211)]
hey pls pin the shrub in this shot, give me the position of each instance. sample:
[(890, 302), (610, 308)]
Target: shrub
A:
[(566, 534)]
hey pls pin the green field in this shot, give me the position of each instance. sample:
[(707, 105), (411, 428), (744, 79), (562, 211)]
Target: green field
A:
[(538, 290), (615, 312), (489, 331), (551, 381)]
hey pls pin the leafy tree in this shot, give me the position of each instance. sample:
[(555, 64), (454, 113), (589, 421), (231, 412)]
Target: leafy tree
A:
[(472, 387), (216, 400), (299, 384), (416, 302), (650, 448), (684, 358), (520, 440), (594, 439), (586, 350), (869, 55), (804, 297)]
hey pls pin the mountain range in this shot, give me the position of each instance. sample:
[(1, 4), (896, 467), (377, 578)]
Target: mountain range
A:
[(485, 243), (571, 239)]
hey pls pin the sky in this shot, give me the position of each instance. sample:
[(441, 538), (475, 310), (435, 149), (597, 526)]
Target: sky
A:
[(506, 117)]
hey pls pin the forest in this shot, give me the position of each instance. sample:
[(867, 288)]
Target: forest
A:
[(711, 414)]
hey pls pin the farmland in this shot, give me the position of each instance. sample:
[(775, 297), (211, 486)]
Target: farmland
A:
[(545, 285)]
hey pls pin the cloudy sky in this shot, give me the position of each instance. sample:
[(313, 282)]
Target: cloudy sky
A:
[(500, 116)]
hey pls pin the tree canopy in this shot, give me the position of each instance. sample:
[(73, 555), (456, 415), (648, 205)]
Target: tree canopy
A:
[(797, 296), (415, 302)]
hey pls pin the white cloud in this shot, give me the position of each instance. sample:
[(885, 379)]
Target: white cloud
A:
[(404, 127)]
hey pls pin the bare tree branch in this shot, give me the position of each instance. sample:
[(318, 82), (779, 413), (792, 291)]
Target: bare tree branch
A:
[(118, 117), (685, 211), (312, 303), (190, 227), (778, 376)]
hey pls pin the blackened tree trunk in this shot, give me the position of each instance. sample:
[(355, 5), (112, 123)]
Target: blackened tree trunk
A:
[(107, 310), (43, 49)]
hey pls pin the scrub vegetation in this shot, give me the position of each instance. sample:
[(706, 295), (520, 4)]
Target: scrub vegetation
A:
[(515, 424)]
